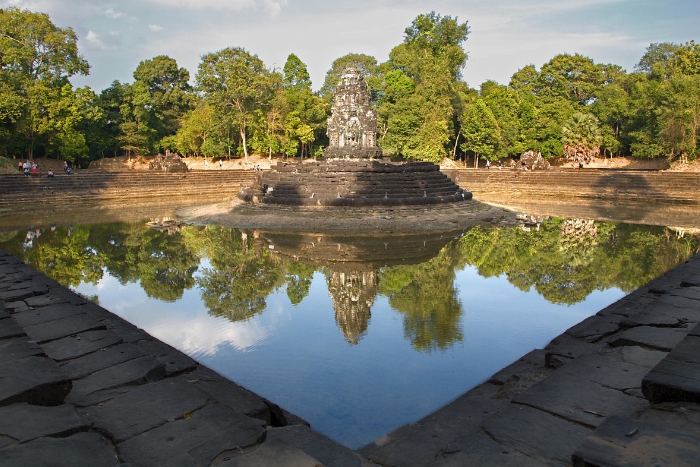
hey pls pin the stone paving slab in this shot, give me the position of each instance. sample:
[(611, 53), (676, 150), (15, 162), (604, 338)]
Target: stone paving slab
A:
[(568, 347), (692, 293), (83, 366), (79, 450), (3, 313), (14, 307), (678, 415), (626, 442), (127, 331), (419, 444), (46, 314), (13, 295), (327, 452), (478, 449), (579, 400), (9, 329), (80, 344), (44, 300), (523, 428), (273, 452), (531, 361), (175, 361), (595, 327), (63, 327), (35, 380), (24, 422), (674, 379), (130, 373), (229, 393), (19, 347), (209, 433), (145, 408), (608, 370), (663, 339)]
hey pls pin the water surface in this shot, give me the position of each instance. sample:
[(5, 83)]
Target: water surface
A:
[(357, 335)]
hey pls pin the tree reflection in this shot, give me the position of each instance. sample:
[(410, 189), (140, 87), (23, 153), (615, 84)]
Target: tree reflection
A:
[(425, 294), (564, 261)]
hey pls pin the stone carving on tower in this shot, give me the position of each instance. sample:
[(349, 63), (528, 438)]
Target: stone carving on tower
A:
[(353, 293), (352, 128)]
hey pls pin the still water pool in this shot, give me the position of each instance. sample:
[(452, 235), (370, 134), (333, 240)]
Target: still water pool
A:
[(357, 335)]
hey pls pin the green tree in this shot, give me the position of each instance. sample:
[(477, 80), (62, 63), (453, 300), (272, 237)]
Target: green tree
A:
[(481, 132), (236, 84), (36, 60), (581, 137)]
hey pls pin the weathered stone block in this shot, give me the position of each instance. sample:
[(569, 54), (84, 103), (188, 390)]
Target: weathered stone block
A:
[(130, 373), (63, 327), (79, 450), (36, 380), (621, 441), (99, 360), (145, 408), (81, 344), (46, 314), (19, 347), (199, 439), (175, 361), (24, 422)]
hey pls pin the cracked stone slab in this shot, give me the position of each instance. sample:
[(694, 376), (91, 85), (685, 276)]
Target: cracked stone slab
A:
[(478, 449), (273, 452), (531, 361), (9, 329), (96, 311), (19, 347), (17, 306), (676, 377), (44, 300), (535, 433), (18, 294), (692, 293), (329, 453), (579, 400), (127, 331), (3, 313), (46, 314), (208, 433), (80, 367), (145, 408), (35, 380), (606, 370), (175, 361), (595, 327), (418, 444), (80, 344), (131, 373), (679, 415), (63, 327), (229, 393), (79, 450), (568, 347), (24, 422), (624, 442), (663, 339)]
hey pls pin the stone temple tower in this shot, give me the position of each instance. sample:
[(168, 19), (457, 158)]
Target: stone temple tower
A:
[(352, 128)]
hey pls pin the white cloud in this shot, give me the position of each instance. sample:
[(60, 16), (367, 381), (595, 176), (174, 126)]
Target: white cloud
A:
[(274, 7), (155, 27), (208, 4), (112, 14), (96, 41)]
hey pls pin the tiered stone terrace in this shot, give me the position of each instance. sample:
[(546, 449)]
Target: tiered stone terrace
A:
[(608, 184), (358, 183), (120, 187)]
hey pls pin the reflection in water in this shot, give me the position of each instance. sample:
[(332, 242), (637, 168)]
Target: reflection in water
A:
[(564, 260), (353, 294), (412, 321)]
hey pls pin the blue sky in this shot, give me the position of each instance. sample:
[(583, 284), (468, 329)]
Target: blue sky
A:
[(115, 35)]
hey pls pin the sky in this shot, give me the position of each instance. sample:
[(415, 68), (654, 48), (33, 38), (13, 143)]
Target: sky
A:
[(505, 35)]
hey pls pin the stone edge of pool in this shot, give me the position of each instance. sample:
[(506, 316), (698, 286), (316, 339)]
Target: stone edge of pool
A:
[(80, 384)]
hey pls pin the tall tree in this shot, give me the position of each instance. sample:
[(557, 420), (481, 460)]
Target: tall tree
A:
[(236, 84), (481, 132)]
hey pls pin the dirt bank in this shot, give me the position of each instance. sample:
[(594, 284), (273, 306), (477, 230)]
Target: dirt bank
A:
[(451, 216)]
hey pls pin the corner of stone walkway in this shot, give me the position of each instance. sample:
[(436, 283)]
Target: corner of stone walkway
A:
[(81, 387), (621, 388)]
